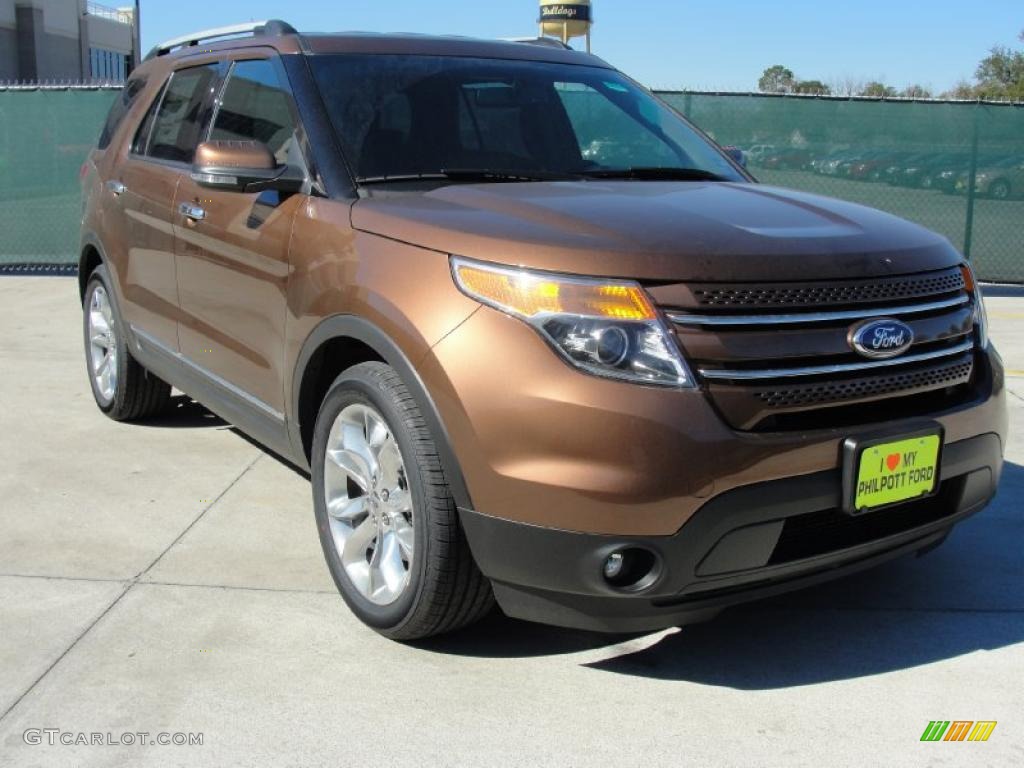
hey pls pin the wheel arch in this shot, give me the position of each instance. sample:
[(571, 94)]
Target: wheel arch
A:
[(338, 343), (90, 256)]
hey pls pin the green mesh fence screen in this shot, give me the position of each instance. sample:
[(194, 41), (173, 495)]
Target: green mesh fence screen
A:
[(45, 136), (914, 159)]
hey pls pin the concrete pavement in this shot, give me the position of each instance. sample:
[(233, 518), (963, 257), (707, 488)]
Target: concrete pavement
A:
[(167, 578)]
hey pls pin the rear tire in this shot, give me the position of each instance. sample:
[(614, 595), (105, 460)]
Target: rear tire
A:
[(122, 388), (387, 520)]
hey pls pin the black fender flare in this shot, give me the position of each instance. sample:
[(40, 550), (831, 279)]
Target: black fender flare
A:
[(362, 330)]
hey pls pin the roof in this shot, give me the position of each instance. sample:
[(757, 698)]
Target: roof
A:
[(284, 38)]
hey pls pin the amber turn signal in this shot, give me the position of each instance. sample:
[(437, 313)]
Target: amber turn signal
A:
[(530, 294)]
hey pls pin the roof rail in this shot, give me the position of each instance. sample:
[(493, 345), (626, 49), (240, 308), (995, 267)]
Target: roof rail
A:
[(550, 42), (270, 27)]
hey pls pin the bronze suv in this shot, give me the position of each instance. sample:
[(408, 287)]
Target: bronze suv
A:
[(537, 339)]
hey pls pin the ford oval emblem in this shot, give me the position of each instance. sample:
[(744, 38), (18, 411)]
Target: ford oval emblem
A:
[(881, 338)]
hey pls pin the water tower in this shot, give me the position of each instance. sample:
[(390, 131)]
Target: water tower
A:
[(566, 20)]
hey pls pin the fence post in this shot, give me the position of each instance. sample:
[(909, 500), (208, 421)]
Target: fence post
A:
[(972, 177)]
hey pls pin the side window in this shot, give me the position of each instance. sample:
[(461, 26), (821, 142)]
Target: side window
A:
[(179, 118), (121, 106), (255, 107)]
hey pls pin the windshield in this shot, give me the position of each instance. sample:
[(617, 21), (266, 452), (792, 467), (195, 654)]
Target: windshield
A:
[(408, 116)]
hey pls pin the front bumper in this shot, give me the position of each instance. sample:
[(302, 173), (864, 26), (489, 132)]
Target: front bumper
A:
[(563, 468), (748, 543)]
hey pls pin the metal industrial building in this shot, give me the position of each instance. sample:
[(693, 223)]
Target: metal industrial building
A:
[(65, 40)]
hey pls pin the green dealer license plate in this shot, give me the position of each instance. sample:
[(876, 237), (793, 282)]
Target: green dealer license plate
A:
[(900, 470)]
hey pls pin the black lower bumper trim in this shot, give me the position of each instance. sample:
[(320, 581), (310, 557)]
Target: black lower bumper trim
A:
[(735, 548)]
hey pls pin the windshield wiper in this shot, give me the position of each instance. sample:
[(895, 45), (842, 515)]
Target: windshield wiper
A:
[(654, 174), (471, 175)]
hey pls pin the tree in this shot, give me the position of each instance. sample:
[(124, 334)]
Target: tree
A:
[(814, 87), (847, 86), (916, 91), (1000, 75), (962, 90), (777, 79), (878, 90)]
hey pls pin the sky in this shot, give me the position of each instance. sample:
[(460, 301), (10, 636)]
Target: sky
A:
[(694, 44)]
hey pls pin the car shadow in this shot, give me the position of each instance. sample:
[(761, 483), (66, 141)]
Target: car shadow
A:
[(499, 637), (962, 598), (185, 413)]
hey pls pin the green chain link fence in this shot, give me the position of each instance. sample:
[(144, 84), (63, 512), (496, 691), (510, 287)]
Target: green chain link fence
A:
[(914, 159), (45, 135)]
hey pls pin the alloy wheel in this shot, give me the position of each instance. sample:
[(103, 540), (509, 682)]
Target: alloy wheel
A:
[(369, 506), (102, 343)]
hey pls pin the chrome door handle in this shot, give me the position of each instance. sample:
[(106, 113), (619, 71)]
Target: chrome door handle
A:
[(116, 187), (194, 212)]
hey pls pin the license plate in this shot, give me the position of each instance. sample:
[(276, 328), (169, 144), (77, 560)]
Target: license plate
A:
[(895, 470)]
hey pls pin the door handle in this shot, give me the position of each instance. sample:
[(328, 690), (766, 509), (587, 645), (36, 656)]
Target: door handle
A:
[(192, 211), (116, 187)]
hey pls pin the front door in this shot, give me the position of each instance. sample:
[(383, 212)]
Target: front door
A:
[(232, 248)]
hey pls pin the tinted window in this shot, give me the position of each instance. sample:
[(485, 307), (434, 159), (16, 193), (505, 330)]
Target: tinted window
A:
[(255, 106), (146, 126), (179, 118), (122, 104), (399, 115)]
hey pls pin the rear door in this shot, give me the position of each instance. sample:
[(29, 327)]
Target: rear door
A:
[(143, 186), (232, 247)]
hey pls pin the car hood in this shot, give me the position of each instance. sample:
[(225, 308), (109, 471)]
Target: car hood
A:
[(657, 230)]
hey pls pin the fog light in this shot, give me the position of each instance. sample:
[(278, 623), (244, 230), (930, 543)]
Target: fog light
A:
[(613, 565), (631, 569)]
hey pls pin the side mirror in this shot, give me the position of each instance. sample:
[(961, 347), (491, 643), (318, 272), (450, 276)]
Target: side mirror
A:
[(243, 166)]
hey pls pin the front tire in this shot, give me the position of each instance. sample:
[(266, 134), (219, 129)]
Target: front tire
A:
[(387, 521), (122, 388)]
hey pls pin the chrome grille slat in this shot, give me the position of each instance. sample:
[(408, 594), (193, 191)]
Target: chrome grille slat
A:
[(815, 317), (833, 370)]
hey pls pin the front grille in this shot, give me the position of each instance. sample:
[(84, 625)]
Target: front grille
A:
[(831, 294), (820, 533), (766, 353)]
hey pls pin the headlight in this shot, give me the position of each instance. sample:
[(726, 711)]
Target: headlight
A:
[(604, 327), (980, 313)]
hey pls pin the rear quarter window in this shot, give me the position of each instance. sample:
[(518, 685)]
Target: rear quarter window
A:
[(120, 108), (176, 119)]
